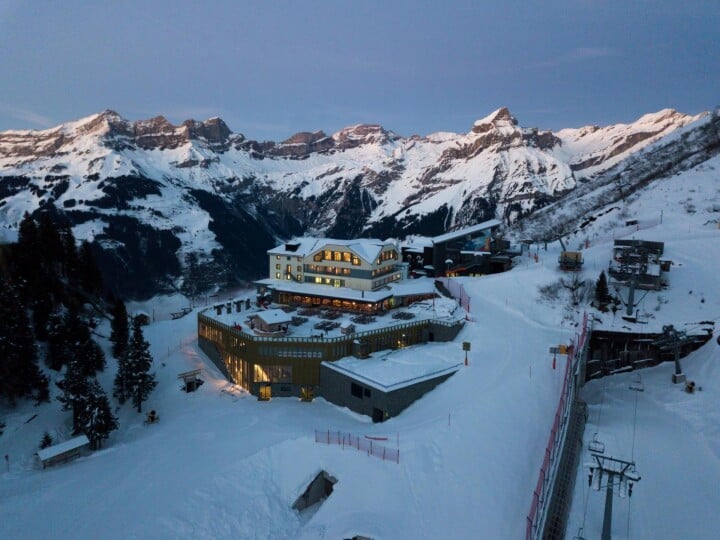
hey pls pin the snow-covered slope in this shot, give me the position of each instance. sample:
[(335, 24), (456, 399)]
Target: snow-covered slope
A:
[(201, 183)]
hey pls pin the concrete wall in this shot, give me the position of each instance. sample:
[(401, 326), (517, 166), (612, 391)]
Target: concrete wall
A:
[(336, 388)]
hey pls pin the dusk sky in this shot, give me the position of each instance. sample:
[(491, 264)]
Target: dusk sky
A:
[(270, 69)]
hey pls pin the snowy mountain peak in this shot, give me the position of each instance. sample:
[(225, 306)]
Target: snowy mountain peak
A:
[(498, 119), (357, 135)]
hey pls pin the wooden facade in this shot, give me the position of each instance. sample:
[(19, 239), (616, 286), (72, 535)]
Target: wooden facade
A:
[(290, 366)]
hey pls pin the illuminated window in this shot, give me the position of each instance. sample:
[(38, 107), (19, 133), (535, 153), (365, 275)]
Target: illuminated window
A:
[(328, 281), (327, 255), (356, 261), (318, 280), (277, 266), (337, 255), (277, 257), (277, 275), (317, 257), (299, 278), (346, 271), (347, 256)]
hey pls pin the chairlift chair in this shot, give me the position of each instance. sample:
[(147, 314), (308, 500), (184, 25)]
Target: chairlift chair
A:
[(596, 446), (637, 384)]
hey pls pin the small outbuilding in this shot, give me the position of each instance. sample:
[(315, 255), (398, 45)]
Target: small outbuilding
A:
[(64, 451), (385, 384), (271, 320)]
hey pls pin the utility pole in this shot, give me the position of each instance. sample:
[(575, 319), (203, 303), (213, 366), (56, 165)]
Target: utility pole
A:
[(609, 472)]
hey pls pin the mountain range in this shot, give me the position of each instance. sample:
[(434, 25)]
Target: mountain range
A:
[(150, 194)]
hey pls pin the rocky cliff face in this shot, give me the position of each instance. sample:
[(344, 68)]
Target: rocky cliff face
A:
[(229, 198)]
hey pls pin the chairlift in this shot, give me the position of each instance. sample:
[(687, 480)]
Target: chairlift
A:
[(637, 384), (596, 446)]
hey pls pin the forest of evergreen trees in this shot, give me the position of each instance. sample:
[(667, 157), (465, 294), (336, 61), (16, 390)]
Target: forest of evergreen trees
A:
[(50, 303)]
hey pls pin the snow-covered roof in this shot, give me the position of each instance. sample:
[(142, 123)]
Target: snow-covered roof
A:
[(399, 288), (391, 370), (344, 293), (467, 230), (274, 316), (59, 449), (298, 247), (367, 249)]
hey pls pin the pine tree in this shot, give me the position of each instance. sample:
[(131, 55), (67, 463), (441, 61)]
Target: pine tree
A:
[(75, 392), (602, 293), (97, 420), (20, 375), (46, 440), (90, 276), (27, 259), (119, 331), (140, 382)]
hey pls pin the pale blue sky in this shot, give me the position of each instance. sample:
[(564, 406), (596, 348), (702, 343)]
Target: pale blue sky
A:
[(270, 69)]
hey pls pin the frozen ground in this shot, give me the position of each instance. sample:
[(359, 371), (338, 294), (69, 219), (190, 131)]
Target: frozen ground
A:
[(222, 465)]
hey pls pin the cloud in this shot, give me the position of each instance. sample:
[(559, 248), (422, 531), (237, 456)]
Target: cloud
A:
[(27, 116), (579, 54)]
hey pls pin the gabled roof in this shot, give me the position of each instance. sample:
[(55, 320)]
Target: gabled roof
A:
[(61, 448), (467, 230), (298, 247), (367, 249), (274, 316)]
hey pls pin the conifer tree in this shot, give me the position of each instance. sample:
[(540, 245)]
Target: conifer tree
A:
[(121, 384), (75, 392), (90, 276), (602, 293), (28, 255), (58, 352), (20, 375), (97, 420), (46, 440), (140, 382), (119, 331)]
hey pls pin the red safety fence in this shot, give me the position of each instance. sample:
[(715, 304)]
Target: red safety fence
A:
[(557, 433), (368, 444)]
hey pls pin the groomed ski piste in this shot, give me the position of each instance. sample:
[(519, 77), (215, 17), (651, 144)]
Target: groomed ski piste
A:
[(221, 464)]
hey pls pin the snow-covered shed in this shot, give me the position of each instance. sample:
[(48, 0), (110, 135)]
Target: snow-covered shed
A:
[(63, 451), (271, 320)]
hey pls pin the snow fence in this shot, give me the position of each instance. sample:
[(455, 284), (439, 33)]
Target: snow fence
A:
[(371, 445)]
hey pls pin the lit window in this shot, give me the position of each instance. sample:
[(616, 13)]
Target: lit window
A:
[(277, 275), (318, 280), (277, 257), (356, 261), (347, 257), (346, 271), (327, 255), (337, 255), (277, 266)]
